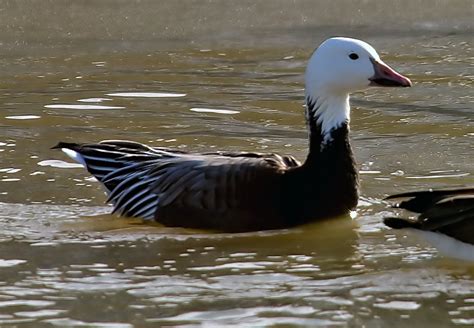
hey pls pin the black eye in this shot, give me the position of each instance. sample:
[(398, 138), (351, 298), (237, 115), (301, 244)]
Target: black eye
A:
[(354, 56)]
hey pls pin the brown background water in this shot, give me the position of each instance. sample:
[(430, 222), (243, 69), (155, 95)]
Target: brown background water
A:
[(65, 262)]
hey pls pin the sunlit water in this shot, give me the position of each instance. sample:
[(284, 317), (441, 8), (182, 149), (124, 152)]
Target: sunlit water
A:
[(65, 262)]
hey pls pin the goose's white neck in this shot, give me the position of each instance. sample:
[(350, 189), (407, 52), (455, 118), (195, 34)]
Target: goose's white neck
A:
[(328, 112)]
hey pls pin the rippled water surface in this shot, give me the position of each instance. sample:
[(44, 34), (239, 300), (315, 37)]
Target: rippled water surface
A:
[(202, 75)]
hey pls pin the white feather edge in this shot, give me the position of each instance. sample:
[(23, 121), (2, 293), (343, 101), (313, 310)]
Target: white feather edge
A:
[(75, 156), (446, 245)]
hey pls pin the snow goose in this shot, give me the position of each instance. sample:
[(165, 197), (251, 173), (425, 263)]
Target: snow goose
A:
[(243, 191)]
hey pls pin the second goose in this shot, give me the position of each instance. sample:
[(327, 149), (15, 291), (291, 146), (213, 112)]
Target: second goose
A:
[(445, 218)]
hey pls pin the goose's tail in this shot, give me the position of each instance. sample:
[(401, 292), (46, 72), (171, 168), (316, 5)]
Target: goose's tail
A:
[(102, 159), (124, 168)]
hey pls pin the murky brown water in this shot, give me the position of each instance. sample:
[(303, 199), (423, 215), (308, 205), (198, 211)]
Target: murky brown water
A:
[(65, 262)]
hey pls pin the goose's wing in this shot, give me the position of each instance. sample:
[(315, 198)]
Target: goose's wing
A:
[(450, 212), (176, 188)]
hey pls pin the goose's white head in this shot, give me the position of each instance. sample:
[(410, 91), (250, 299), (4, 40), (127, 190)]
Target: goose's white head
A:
[(344, 65), (338, 67)]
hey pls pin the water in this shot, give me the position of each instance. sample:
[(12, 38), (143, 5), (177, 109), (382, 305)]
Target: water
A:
[(205, 75)]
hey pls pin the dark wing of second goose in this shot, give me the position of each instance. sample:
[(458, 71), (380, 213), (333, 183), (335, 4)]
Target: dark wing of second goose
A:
[(216, 190), (449, 212)]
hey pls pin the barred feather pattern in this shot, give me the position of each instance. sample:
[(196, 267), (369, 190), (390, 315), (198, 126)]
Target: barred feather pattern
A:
[(141, 179)]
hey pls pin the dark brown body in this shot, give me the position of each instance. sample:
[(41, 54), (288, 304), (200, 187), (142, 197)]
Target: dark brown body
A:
[(325, 186)]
